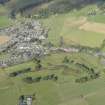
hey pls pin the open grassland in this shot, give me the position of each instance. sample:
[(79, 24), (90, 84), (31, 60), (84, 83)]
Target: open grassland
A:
[(69, 26), (3, 10), (62, 92), (5, 21)]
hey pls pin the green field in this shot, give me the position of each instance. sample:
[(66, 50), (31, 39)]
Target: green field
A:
[(63, 92), (5, 21), (59, 26)]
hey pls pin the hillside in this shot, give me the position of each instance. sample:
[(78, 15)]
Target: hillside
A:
[(52, 51), (44, 8)]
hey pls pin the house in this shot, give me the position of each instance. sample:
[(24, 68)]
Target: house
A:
[(25, 100), (29, 100)]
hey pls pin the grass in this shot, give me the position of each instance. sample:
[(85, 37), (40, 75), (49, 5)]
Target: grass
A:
[(5, 21), (74, 35), (63, 92), (3, 10)]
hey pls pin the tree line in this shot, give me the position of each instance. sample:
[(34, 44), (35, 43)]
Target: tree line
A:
[(3, 1), (16, 73), (39, 78), (63, 6), (88, 78), (55, 7)]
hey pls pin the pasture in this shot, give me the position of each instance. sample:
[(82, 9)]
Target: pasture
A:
[(5, 21), (62, 92), (77, 27)]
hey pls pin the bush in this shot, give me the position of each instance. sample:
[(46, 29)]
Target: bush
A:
[(87, 78), (46, 78), (82, 79), (66, 60), (37, 79), (26, 70), (55, 78), (14, 74), (28, 80)]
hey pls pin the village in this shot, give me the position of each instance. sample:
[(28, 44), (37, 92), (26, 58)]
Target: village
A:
[(26, 40)]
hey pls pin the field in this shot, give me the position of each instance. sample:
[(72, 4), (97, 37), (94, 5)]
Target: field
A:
[(70, 27), (63, 92), (5, 21)]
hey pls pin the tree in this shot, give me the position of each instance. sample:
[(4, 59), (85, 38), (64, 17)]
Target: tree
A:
[(38, 64), (28, 80), (103, 44), (37, 79), (61, 41), (50, 45), (13, 14), (66, 60), (55, 78)]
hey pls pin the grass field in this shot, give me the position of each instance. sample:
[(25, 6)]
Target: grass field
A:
[(65, 25), (63, 92), (5, 21)]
